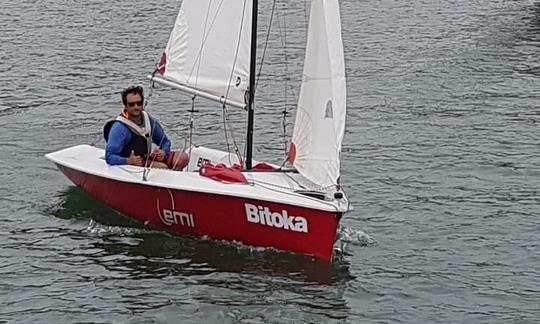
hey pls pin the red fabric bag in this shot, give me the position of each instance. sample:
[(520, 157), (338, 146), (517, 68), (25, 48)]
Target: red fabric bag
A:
[(220, 172)]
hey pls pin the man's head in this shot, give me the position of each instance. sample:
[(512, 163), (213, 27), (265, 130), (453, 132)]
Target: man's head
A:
[(133, 100), (132, 90)]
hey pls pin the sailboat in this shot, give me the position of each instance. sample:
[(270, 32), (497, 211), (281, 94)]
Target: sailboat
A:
[(211, 53)]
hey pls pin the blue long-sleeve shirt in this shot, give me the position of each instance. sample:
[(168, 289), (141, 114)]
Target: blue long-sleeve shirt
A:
[(120, 136)]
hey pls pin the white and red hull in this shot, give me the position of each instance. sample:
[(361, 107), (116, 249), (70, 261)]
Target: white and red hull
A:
[(231, 212)]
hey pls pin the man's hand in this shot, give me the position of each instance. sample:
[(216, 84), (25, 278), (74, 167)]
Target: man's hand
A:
[(157, 155), (134, 159)]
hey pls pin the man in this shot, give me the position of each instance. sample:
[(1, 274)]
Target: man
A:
[(129, 137)]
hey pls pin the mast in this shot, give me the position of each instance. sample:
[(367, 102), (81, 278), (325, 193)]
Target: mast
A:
[(251, 90)]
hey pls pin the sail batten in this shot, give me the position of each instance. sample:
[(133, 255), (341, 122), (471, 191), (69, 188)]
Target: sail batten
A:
[(320, 116)]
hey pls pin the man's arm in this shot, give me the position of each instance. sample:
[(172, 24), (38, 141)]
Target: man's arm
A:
[(118, 137)]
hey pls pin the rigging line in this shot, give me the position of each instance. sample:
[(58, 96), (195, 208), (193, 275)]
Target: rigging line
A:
[(98, 138), (129, 171), (236, 149), (269, 186), (283, 34), (181, 134), (147, 162), (224, 110), (265, 45), (316, 188), (165, 125), (191, 121), (150, 161), (273, 185), (264, 54), (147, 103), (228, 129), (190, 135), (284, 162), (296, 181)]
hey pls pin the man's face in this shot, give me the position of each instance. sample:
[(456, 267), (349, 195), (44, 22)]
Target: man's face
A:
[(134, 104)]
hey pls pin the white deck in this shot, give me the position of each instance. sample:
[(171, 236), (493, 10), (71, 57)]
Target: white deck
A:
[(277, 187)]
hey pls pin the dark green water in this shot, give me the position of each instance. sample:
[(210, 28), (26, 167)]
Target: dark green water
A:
[(440, 160)]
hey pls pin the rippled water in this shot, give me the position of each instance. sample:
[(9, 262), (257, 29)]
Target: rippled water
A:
[(440, 161)]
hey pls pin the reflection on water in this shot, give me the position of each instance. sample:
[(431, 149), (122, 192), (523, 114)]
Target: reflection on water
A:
[(158, 255), (77, 204)]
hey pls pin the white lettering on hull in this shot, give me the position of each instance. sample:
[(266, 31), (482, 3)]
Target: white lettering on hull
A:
[(172, 217), (264, 216)]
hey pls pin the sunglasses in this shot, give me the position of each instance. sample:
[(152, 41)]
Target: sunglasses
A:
[(135, 103)]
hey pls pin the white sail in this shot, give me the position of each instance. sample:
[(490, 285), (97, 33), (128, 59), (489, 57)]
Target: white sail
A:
[(209, 49), (320, 116)]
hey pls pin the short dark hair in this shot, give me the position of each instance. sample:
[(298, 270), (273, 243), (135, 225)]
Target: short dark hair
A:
[(132, 90)]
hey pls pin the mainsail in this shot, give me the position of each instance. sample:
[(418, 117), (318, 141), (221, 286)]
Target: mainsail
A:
[(320, 116), (208, 52)]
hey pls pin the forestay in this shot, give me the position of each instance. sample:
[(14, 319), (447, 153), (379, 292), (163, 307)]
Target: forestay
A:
[(209, 49), (320, 116)]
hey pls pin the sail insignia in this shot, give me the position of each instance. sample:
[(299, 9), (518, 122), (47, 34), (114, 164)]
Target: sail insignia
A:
[(329, 112)]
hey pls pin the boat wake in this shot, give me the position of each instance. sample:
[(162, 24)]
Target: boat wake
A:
[(347, 236), (97, 228)]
